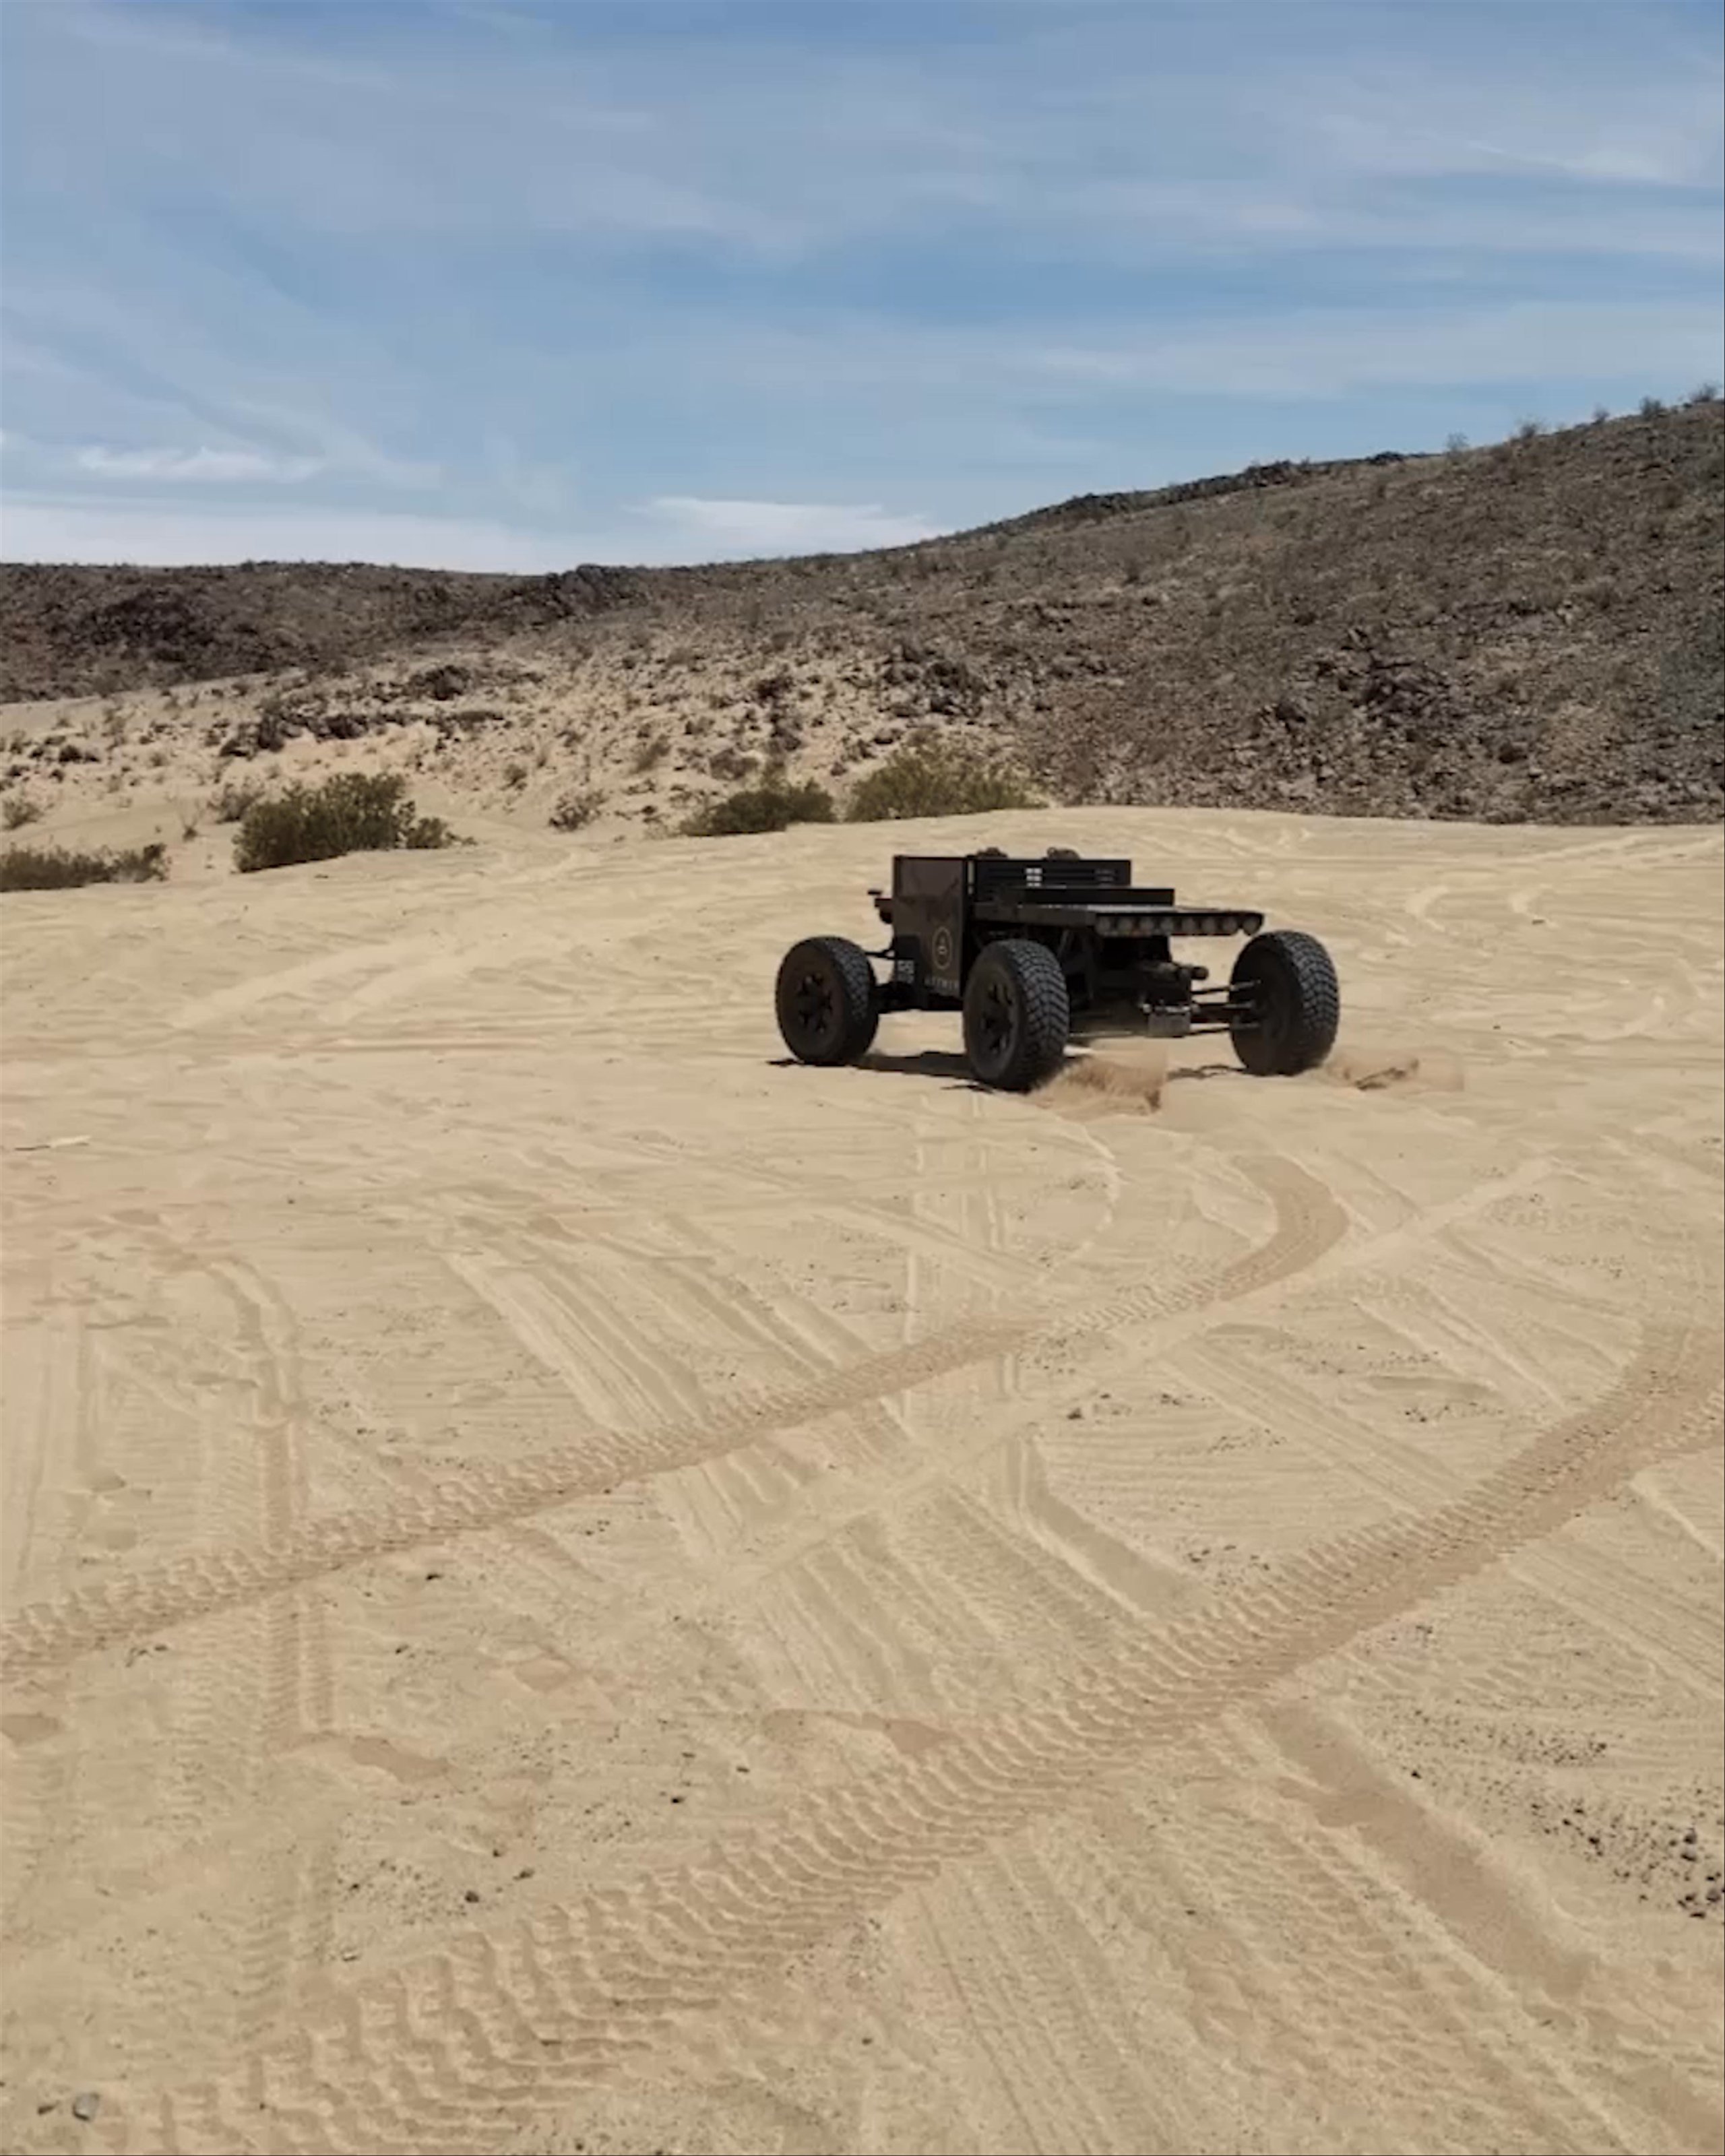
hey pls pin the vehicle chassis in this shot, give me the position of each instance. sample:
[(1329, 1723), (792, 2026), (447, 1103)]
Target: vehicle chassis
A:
[(1027, 947)]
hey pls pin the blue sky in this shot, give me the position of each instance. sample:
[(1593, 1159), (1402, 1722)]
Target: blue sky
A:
[(494, 285)]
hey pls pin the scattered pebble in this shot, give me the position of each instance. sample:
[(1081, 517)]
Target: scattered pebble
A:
[(86, 2104)]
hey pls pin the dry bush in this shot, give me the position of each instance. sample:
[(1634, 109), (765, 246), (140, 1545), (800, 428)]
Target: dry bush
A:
[(576, 810), (19, 810), (232, 800), (930, 779), (355, 811), (774, 805), (651, 752), (54, 868)]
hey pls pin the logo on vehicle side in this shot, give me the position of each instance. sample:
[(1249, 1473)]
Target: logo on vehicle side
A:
[(942, 951)]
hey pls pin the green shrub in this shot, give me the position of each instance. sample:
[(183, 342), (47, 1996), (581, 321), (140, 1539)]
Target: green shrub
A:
[(355, 811), (928, 779), (52, 868), (774, 805)]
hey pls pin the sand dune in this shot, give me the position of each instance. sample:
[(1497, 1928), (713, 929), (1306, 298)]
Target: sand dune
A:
[(571, 1586)]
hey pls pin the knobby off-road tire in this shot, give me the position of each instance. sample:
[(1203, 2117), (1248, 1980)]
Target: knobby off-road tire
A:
[(827, 1001), (1291, 983), (1017, 1016)]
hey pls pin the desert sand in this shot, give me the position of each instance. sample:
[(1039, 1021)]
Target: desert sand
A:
[(571, 1587)]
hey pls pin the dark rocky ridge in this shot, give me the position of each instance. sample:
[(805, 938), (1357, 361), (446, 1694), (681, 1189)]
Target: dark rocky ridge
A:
[(1531, 630)]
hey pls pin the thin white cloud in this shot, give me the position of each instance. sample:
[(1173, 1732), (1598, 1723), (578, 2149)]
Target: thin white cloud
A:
[(217, 467), (1342, 352), (132, 363), (789, 528), (1632, 125), (50, 528), (960, 378), (445, 132), (44, 528)]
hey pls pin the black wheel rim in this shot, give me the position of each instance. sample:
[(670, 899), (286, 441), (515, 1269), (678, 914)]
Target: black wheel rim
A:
[(814, 1006), (997, 1021), (1268, 1013)]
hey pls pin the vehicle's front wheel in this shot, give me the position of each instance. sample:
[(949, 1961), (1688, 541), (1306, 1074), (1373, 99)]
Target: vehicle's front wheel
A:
[(827, 1001), (1017, 1015), (1292, 1005)]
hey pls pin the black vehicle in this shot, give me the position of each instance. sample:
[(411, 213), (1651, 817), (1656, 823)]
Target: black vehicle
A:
[(1023, 946)]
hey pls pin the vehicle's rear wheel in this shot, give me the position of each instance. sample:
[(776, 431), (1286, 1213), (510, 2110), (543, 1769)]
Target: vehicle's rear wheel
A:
[(1017, 1015), (1289, 982), (827, 1001)]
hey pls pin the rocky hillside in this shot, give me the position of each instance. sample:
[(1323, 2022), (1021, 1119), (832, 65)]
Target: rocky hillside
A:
[(1530, 630)]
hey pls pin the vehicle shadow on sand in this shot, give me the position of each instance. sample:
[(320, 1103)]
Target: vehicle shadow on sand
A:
[(943, 1063), (926, 1062)]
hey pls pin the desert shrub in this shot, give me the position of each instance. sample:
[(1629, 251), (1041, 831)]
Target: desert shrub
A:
[(230, 801), (929, 778), (53, 868), (19, 810), (575, 810), (355, 811), (774, 805)]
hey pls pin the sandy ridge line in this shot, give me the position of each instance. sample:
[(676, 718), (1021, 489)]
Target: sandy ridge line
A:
[(1308, 1222), (431, 2055)]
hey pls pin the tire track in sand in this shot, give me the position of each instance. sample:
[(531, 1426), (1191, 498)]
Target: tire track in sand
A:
[(430, 2056), (1308, 1223)]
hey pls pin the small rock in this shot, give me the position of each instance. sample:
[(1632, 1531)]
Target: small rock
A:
[(86, 2104)]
